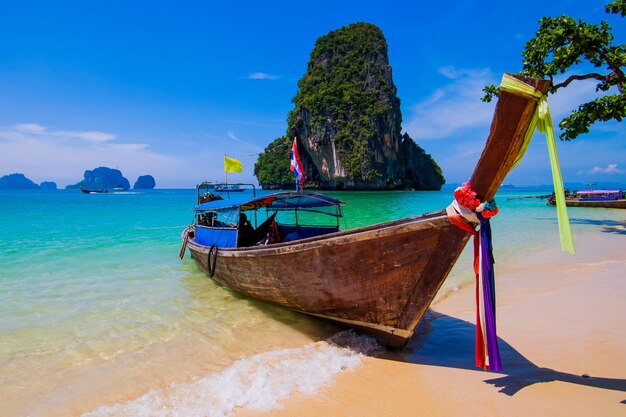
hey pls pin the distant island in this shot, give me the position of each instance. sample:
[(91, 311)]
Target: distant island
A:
[(102, 178), (348, 124), (17, 182), (145, 182), (48, 185)]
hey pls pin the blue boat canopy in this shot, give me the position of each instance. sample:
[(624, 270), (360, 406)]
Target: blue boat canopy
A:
[(277, 201)]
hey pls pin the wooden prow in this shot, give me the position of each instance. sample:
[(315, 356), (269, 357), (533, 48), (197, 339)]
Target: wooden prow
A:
[(511, 120), (512, 117)]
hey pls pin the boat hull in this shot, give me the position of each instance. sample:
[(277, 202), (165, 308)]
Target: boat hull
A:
[(575, 202), (86, 191), (379, 278)]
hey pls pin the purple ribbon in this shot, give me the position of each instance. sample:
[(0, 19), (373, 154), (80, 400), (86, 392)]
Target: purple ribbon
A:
[(489, 293)]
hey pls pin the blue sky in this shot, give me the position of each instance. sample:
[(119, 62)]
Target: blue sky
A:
[(167, 88)]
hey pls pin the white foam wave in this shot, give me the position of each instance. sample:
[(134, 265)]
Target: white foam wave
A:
[(258, 382)]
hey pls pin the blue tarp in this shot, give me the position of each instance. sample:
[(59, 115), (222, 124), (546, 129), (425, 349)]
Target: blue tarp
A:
[(222, 237)]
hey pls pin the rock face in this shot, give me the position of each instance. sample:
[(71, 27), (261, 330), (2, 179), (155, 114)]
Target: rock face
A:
[(348, 123), (16, 182), (102, 178), (422, 172), (48, 185), (145, 182)]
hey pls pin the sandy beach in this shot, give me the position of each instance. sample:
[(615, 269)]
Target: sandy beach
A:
[(561, 322)]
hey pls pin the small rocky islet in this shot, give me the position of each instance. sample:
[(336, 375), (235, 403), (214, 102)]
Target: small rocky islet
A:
[(19, 181)]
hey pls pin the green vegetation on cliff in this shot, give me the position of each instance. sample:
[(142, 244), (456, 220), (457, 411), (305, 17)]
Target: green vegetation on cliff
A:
[(272, 167), (348, 85)]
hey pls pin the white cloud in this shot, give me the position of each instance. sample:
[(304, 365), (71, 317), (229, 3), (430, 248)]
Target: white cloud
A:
[(453, 107), (35, 129), (456, 106), (456, 73), (88, 136), (244, 146), (29, 128), (129, 147), (233, 137), (262, 76), (611, 169), (62, 156)]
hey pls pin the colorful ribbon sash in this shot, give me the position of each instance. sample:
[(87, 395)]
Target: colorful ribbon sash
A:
[(487, 351)]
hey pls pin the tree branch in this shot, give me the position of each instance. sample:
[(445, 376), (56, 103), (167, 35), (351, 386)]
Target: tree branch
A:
[(571, 78)]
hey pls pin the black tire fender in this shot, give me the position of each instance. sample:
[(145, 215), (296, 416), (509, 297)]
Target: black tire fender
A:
[(212, 260)]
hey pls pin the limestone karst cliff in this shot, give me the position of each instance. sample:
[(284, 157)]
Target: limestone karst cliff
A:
[(348, 123)]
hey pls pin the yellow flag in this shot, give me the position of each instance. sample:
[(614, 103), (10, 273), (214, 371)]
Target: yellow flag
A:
[(232, 165)]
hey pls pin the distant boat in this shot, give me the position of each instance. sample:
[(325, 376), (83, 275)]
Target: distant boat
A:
[(228, 188), (119, 188), (379, 278), (100, 191), (507, 186), (593, 198)]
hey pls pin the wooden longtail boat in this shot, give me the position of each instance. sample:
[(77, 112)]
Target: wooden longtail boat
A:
[(594, 198), (379, 278), (100, 191)]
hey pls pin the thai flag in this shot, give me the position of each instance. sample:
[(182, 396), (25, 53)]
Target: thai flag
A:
[(296, 164)]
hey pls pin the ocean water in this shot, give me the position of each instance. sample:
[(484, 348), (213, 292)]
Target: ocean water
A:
[(99, 316)]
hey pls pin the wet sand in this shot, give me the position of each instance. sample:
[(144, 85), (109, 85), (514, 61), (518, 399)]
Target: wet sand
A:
[(561, 325)]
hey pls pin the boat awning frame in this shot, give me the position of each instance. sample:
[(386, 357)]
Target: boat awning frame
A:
[(278, 201)]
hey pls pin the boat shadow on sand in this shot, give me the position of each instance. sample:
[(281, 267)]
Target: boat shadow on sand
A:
[(606, 226), (617, 227), (449, 342)]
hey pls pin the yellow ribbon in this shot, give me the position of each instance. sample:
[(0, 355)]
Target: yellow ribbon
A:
[(542, 120)]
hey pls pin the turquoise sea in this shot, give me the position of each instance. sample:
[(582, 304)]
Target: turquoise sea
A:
[(99, 316)]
